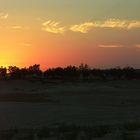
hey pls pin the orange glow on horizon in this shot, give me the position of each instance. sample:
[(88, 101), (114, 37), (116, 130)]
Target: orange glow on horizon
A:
[(46, 33)]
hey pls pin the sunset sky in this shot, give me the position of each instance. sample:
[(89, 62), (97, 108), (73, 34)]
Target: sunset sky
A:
[(101, 33)]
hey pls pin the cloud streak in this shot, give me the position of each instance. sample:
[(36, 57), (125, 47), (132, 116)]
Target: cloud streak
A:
[(116, 23), (110, 46), (85, 27), (3, 16), (17, 27), (53, 27), (109, 23), (137, 46), (27, 44)]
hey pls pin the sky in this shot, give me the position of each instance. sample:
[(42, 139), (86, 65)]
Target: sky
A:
[(101, 33)]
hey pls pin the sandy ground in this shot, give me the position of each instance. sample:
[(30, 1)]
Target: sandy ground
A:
[(96, 103)]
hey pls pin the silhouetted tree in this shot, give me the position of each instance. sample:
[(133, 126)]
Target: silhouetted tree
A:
[(34, 71), (129, 73), (14, 72), (3, 72), (56, 73), (70, 73), (84, 71)]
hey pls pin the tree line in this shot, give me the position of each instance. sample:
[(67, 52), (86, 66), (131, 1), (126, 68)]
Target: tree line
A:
[(83, 72)]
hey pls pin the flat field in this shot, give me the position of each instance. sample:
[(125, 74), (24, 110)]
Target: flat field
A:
[(112, 106)]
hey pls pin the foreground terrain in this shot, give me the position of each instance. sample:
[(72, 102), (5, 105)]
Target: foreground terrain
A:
[(102, 110)]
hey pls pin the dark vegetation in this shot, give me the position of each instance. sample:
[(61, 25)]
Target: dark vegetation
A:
[(83, 72), (70, 132), (25, 97)]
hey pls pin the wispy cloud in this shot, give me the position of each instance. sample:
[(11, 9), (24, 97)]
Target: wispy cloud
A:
[(134, 24), (110, 46), (117, 23), (24, 44), (83, 28), (109, 23), (3, 15), (17, 27), (53, 27), (27, 44), (137, 46)]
